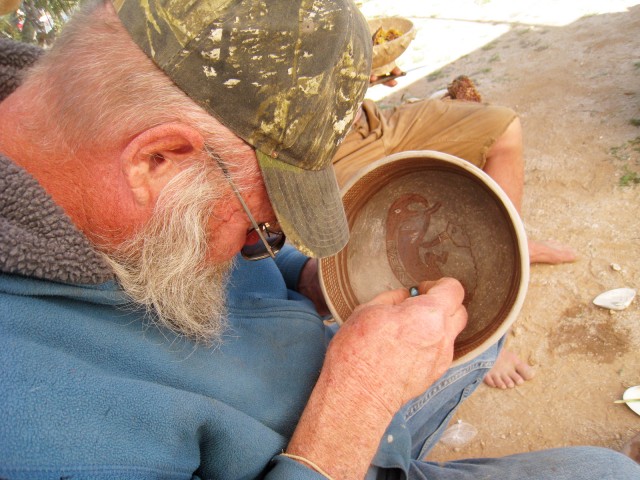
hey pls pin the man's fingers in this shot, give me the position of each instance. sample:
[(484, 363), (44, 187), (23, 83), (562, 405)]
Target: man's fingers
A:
[(426, 285), (448, 289), (390, 297), (457, 321), (445, 294), (449, 294)]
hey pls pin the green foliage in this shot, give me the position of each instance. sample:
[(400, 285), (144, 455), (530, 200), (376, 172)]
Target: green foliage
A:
[(629, 178), (629, 153), (627, 150), (37, 21)]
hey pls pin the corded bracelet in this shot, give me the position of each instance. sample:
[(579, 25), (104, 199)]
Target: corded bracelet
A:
[(309, 463)]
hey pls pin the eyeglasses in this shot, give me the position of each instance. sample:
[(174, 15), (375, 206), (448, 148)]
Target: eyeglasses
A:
[(264, 239)]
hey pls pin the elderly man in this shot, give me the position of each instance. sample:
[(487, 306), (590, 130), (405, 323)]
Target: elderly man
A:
[(153, 144)]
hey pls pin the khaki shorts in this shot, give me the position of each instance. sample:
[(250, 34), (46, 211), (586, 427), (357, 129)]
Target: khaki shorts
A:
[(464, 129)]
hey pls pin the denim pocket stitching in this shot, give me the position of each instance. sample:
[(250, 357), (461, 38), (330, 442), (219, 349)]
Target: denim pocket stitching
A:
[(420, 402)]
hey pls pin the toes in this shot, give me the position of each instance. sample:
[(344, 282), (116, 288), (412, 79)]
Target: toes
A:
[(489, 380), (498, 381), (494, 381), (516, 379), (509, 371), (508, 381), (525, 372)]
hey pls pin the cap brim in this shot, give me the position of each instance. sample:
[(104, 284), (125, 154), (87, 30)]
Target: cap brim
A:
[(308, 206)]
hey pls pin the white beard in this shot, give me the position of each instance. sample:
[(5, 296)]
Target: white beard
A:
[(164, 266)]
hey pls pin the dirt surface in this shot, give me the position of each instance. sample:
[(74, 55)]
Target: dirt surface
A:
[(575, 83)]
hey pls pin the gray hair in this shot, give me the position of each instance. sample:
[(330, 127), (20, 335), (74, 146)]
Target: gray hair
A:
[(100, 87)]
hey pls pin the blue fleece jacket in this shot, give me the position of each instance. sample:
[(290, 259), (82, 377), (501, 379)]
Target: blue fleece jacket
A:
[(87, 391), (90, 390)]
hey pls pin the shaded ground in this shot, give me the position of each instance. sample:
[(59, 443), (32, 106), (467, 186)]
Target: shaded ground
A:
[(577, 89)]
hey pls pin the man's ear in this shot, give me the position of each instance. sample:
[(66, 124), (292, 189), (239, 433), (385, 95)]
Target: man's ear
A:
[(155, 156)]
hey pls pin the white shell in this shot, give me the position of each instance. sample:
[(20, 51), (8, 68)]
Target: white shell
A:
[(616, 299), (633, 392)]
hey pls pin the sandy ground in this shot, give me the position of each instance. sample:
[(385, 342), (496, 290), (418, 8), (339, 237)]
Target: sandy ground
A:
[(572, 72)]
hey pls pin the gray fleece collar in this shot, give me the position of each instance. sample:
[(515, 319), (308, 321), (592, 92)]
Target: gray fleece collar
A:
[(37, 239), (15, 58)]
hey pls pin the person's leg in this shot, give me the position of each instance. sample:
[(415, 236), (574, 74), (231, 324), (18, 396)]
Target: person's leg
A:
[(488, 136), (428, 416), (418, 426), (572, 463), (463, 129), (505, 164), (363, 144)]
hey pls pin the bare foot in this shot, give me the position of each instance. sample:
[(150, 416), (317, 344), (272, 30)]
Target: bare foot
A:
[(508, 371), (550, 252)]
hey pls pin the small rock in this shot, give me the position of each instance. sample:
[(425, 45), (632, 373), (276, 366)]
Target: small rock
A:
[(616, 299)]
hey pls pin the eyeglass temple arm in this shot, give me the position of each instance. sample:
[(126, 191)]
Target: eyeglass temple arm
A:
[(256, 227)]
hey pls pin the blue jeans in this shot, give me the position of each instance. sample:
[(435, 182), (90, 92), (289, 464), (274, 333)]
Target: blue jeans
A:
[(420, 423), (570, 463)]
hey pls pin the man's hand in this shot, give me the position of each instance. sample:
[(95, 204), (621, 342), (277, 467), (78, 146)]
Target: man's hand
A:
[(392, 75), (390, 350), (396, 346)]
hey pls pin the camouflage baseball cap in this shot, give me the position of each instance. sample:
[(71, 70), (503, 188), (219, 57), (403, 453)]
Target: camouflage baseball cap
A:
[(286, 76)]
